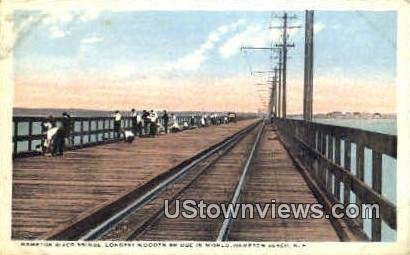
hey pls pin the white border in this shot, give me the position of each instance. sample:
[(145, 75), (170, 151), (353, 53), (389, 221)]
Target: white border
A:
[(403, 121)]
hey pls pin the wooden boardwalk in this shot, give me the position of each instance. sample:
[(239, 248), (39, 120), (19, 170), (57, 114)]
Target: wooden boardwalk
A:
[(50, 191), (274, 176)]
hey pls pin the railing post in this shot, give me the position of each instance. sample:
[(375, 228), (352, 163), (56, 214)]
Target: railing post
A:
[(307, 138), (377, 186), (359, 174), (42, 132), (104, 131), (360, 161), (319, 141), (346, 190), (15, 137), (337, 161), (311, 135), (98, 129), (30, 133), (330, 148), (322, 165), (329, 182), (324, 144), (81, 132), (89, 130)]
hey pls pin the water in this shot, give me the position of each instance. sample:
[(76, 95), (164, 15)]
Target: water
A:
[(385, 126)]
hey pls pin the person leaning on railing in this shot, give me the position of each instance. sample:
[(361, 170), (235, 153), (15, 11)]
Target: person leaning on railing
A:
[(117, 124), (55, 138)]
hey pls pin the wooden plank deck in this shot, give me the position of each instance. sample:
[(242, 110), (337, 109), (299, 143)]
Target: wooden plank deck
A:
[(274, 176), (49, 191)]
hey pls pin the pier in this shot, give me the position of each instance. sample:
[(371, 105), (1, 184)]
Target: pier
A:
[(103, 188)]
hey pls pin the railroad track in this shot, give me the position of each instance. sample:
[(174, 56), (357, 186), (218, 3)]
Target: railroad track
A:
[(216, 175), (220, 183)]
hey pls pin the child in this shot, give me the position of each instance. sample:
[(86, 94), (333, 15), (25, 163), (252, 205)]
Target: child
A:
[(128, 136)]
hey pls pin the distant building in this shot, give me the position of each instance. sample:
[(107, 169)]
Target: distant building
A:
[(357, 114), (335, 115), (320, 115)]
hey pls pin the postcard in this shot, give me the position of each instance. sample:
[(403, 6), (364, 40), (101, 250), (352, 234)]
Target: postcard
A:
[(213, 127)]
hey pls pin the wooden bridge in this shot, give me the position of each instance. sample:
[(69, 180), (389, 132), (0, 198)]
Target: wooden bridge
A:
[(109, 190)]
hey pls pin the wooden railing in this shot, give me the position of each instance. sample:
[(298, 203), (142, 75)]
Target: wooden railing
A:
[(28, 132), (326, 151)]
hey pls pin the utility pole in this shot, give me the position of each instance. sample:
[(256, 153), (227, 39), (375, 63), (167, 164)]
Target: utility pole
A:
[(272, 95), (285, 57), (308, 79), (279, 87), (285, 46)]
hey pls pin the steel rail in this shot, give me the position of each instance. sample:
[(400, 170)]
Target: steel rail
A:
[(224, 230), (117, 218)]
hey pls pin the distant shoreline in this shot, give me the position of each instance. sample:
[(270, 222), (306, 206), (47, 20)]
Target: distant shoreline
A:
[(360, 116), (44, 112)]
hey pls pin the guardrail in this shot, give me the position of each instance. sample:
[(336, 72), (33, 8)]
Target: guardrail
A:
[(28, 132), (326, 151)]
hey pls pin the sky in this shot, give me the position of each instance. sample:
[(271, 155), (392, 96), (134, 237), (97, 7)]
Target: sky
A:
[(192, 60)]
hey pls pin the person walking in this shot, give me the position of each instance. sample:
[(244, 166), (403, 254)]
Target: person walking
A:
[(59, 142), (192, 121), (134, 122), (145, 118), (139, 124), (153, 123), (203, 120), (174, 120), (117, 124), (165, 118), (67, 128), (50, 129)]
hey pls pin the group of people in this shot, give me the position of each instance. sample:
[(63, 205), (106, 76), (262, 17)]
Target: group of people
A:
[(149, 124), (143, 124), (57, 134)]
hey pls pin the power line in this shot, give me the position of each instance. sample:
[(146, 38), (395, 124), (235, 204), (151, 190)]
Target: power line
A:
[(285, 45)]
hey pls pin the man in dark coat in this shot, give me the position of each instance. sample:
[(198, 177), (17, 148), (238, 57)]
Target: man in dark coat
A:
[(67, 128), (165, 117)]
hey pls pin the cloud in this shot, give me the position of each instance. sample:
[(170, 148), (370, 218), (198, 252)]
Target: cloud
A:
[(57, 32), (91, 40), (64, 16), (193, 61), (89, 15), (57, 19), (317, 27), (253, 36)]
